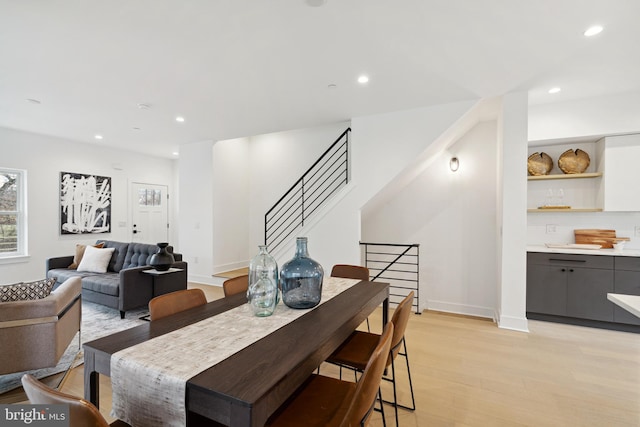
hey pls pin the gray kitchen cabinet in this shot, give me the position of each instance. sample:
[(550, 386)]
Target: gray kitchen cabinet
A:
[(570, 285), (546, 289), (627, 281), (587, 290)]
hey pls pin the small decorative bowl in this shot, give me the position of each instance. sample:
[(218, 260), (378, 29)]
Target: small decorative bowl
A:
[(539, 164), (571, 161)]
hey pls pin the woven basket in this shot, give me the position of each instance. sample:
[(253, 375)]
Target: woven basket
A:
[(574, 161), (539, 164)]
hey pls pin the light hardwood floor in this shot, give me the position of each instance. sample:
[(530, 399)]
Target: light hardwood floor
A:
[(468, 372)]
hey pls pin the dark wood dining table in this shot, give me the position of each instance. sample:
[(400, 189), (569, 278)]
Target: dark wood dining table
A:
[(246, 388)]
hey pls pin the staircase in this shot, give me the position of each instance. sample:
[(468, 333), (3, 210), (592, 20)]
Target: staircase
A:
[(328, 175)]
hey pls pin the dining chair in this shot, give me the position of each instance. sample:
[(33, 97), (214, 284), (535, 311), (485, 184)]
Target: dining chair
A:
[(348, 271), (81, 412), (356, 350), (330, 402), (174, 302), (236, 285)]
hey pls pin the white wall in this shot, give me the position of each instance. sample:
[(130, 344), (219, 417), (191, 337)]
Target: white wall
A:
[(606, 115), (591, 118), (512, 205), (452, 215), (196, 209), (382, 147), (231, 204), (44, 158)]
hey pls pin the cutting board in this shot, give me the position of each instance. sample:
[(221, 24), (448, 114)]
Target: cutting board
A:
[(605, 238)]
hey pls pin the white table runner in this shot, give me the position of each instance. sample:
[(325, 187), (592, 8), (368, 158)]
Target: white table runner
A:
[(149, 379)]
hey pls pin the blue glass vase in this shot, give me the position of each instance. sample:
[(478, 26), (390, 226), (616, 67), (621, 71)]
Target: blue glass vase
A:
[(301, 279)]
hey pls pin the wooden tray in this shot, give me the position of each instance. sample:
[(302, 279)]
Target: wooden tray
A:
[(605, 238)]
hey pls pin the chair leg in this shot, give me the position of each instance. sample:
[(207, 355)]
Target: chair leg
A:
[(368, 326), (395, 403), (384, 421), (406, 357)]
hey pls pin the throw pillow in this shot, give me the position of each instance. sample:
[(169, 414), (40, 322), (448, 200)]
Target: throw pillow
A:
[(80, 252), (27, 291), (95, 260)]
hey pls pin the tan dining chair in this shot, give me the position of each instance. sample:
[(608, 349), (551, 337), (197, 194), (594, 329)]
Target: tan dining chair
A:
[(174, 302), (236, 285), (355, 352), (330, 402), (348, 271), (81, 412)]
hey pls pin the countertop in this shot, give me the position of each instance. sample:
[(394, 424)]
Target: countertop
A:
[(610, 252), (631, 303)]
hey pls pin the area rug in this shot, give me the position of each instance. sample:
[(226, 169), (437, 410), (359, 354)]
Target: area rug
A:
[(97, 321)]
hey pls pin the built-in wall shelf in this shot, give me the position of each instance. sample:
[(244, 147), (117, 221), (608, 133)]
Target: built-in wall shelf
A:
[(565, 176), (564, 210)]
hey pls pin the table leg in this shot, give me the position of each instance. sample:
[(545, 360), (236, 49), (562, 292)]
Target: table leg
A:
[(385, 312), (91, 380)]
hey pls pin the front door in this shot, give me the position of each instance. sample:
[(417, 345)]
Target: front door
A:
[(149, 214)]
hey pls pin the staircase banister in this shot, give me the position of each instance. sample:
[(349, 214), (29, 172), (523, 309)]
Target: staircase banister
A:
[(308, 170)]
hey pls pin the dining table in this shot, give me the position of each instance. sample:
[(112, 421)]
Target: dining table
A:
[(245, 388)]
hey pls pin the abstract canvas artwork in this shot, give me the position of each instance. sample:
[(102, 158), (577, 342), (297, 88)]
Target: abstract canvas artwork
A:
[(85, 203)]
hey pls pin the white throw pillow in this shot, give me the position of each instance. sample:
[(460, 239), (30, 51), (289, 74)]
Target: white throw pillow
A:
[(95, 260)]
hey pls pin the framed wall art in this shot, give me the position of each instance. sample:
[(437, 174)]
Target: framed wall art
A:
[(85, 203)]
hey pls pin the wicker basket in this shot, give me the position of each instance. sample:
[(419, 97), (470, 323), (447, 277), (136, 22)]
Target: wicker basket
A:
[(574, 161), (539, 164)]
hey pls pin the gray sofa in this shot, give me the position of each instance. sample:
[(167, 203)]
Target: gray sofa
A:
[(124, 286)]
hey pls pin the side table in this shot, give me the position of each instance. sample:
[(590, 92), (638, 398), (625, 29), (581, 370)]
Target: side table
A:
[(161, 280)]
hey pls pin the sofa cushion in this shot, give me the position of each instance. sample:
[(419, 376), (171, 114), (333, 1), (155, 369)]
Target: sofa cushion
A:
[(107, 283), (26, 291), (79, 254), (139, 254), (62, 274), (96, 260), (117, 259)]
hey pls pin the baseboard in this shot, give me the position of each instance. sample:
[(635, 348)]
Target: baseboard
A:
[(464, 309), (205, 280), (520, 324), (221, 268)]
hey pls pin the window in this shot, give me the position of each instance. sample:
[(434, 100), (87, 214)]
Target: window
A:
[(13, 219)]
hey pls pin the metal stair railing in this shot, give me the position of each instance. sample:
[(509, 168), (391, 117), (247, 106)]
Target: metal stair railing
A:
[(398, 264), (322, 180)]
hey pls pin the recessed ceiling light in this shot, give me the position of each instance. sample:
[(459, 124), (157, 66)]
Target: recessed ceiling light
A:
[(554, 90), (592, 31), (34, 101), (363, 79), (175, 153), (144, 106), (98, 137), (332, 86), (180, 119), (135, 128)]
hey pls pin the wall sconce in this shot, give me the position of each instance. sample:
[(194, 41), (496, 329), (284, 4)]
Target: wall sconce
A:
[(454, 164)]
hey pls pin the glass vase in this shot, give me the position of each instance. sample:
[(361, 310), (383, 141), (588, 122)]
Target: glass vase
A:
[(263, 262), (301, 279), (263, 295)]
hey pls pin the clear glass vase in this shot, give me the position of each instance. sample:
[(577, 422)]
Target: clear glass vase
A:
[(301, 279), (263, 262), (263, 295)]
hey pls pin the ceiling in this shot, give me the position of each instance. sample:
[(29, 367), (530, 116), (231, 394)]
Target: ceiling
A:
[(235, 68)]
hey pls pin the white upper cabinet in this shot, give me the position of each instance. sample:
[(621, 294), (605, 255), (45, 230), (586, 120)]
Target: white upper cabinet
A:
[(620, 159)]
